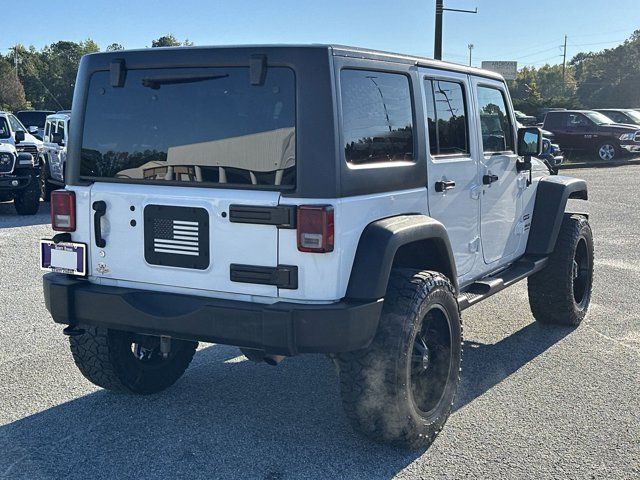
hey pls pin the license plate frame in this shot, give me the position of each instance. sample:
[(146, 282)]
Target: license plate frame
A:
[(59, 257)]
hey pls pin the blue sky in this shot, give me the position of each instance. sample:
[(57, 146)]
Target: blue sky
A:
[(529, 31)]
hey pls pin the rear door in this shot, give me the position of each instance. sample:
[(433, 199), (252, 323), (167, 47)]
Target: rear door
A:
[(452, 163), (180, 237), (187, 168)]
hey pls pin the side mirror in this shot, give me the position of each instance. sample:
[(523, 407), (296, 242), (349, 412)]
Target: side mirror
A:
[(19, 136), (57, 138), (33, 129), (529, 142)]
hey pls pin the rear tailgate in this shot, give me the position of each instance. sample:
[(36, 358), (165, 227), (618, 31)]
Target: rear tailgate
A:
[(180, 237)]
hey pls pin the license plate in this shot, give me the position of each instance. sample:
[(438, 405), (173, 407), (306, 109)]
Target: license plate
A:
[(63, 257)]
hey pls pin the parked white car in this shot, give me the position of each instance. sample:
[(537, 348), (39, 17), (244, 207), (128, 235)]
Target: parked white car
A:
[(56, 131)]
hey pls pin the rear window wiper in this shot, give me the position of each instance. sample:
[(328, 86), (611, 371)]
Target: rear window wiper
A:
[(156, 82)]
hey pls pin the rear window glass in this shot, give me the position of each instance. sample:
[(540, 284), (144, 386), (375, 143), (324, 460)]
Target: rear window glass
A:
[(377, 117), (33, 119), (192, 125)]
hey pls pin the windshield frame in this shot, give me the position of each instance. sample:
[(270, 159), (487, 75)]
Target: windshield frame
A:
[(88, 179)]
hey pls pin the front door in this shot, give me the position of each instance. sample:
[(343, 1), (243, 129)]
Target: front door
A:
[(502, 184), (452, 164)]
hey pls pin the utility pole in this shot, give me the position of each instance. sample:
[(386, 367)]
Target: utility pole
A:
[(437, 43), (470, 48), (15, 59), (564, 63)]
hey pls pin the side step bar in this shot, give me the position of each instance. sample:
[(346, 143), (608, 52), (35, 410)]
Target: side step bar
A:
[(484, 288)]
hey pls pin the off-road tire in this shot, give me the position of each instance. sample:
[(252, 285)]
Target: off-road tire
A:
[(27, 201), (555, 296), (376, 383), (105, 358)]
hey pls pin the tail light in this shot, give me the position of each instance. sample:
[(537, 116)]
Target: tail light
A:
[(63, 210), (315, 228)]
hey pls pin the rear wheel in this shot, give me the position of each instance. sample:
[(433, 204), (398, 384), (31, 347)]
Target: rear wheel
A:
[(401, 388), (27, 201), (128, 362), (561, 292)]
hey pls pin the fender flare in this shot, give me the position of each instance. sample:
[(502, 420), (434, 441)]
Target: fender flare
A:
[(379, 243), (549, 210)]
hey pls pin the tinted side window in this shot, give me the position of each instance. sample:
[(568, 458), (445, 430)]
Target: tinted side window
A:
[(497, 133), (377, 116), (4, 128), (61, 128), (15, 124), (553, 120), (577, 120), (446, 117)]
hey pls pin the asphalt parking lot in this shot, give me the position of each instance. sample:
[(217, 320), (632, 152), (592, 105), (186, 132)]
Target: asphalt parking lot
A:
[(535, 401)]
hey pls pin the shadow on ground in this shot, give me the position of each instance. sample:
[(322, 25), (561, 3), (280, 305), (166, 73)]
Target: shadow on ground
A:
[(9, 218), (229, 418)]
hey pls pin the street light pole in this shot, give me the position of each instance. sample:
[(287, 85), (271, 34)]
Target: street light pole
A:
[(437, 42), (470, 48)]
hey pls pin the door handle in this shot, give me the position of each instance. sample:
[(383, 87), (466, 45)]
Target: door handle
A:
[(489, 179), (445, 185), (100, 208)]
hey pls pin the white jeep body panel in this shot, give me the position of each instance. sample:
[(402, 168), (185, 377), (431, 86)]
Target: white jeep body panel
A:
[(488, 225)]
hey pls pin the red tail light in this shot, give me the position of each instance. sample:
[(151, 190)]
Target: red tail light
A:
[(63, 210), (315, 228)]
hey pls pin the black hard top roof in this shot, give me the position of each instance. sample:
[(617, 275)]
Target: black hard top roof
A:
[(336, 50)]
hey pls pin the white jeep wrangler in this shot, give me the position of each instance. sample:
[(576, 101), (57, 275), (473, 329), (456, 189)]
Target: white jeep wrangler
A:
[(312, 199), (55, 138)]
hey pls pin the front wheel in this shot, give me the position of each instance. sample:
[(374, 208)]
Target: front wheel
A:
[(561, 292), (608, 151), (401, 388), (128, 362)]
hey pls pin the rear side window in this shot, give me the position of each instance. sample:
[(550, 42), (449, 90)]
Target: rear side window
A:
[(553, 120), (446, 118), (497, 132), (377, 116)]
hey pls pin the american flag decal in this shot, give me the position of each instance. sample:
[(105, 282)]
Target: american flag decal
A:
[(179, 237)]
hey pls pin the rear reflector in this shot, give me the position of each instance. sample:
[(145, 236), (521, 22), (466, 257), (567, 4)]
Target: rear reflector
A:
[(63, 210), (315, 228)]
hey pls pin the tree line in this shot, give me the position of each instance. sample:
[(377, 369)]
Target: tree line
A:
[(45, 78), (609, 78)]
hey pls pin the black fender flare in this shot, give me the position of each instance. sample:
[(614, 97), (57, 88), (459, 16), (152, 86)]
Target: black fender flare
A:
[(549, 210), (381, 240)]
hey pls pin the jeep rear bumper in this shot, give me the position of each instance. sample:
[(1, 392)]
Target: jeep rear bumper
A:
[(279, 328)]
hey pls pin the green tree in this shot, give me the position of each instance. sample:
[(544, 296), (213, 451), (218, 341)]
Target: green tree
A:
[(12, 96), (114, 47), (170, 41)]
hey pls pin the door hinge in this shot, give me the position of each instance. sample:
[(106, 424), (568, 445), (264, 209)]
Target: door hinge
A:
[(474, 245)]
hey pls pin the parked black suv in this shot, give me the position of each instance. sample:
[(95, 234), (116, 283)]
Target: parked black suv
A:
[(592, 131)]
